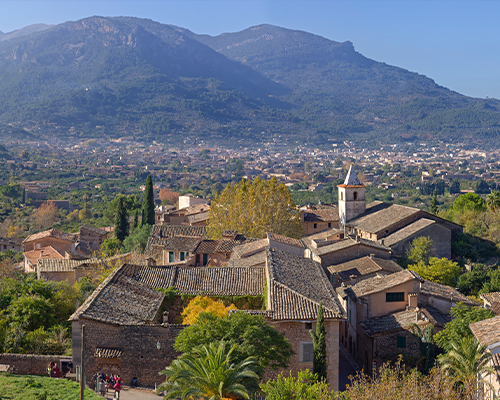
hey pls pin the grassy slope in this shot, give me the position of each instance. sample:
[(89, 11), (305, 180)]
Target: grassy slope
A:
[(24, 387)]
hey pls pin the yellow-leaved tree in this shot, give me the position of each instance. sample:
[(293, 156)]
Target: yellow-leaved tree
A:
[(204, 304), (254, 208)]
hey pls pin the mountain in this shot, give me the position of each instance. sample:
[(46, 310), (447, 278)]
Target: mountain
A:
[(27, 30), (115, 76)]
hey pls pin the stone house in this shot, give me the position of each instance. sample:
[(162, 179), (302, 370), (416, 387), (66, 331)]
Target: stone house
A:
[(68, 270), (487, 333), (47, 244), (379, 310), (129, 329), (90, 239), (492, 301), (13, 244), (317, 218)]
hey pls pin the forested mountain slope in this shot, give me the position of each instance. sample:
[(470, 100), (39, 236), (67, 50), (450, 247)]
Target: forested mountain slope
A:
[(115, 76)]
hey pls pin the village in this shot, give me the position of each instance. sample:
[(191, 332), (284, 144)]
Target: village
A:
[(347, 259)]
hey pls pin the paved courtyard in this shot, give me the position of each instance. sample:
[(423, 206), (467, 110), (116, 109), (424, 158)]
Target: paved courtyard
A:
[(134, 394)]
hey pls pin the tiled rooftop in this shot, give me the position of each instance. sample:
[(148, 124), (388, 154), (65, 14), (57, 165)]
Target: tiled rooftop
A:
[(444, 291), (249, 248), (46, 253), (490, 298), (346, 243), (380, 220), (54, 233), (250, 261), (407, 231), (169, 231), (322, 215), (403, 320), (298, 278), (93, 229), (487, 332), (364, 266), (62, 265), (285, 240), (380, 283)]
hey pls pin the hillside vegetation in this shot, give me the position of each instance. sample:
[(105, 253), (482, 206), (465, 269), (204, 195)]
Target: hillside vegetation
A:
[(118, 76)]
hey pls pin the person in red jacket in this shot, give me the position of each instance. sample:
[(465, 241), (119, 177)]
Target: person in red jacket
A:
[(117, 387)]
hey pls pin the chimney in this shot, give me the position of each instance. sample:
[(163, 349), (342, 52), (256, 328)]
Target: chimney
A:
[(412, 301), (372, 255), (382, 242), (418, 315), (357, 238), (165, 317)]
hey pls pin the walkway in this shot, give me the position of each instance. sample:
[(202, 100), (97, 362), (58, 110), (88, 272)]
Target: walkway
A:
[(128, 393)]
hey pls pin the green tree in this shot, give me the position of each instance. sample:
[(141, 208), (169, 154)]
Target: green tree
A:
[(121, 221), (472, 282), (148, 203), (493, 200), (305, 387), (420, 250), (254, 208), (438, 270), (468, 202), (433, 207), (454, 186), (110, 247), (253, 335), (136, 220), (137, 239), (426, 345), (467, 360), (458, 328), (210, 372), (319, 344), (481, 187)]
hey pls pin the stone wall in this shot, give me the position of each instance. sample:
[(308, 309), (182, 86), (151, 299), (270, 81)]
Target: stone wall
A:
[(29, 364), (143, 351), (297, 334), (440, 236)]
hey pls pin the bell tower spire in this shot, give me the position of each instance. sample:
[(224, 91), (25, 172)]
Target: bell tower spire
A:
[(352, 201)]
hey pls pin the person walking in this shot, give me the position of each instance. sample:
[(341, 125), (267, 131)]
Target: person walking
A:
[(117, 387)]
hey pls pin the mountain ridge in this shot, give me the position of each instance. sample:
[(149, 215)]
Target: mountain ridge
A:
[(165, 82)]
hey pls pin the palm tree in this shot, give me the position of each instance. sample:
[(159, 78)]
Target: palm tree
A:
[(493, 200), (209, 374), (467, 361)]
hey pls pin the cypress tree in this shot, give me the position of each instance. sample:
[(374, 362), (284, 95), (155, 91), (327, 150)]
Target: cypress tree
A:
[(121, 221), (433, 207), (136, 219), (23, 200), (319, 344), (148, 204)]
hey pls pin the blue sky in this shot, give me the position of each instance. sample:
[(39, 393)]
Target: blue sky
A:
[(456, 43)]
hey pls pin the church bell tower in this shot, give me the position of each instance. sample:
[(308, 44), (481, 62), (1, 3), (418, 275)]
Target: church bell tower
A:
[(352, 201)]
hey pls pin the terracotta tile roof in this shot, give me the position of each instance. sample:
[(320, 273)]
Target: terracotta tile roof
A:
[(346, 243), (383, 219), (363, 266), (54, 233), (257, 259), (249, 248), (330, 214), (407, 231), (65, 265), (197, 208), (169, 231), (207, 247), (120, 300), (207, 280), (380, 283), (402, 320), (181, 243), (227, 245), (193, 218), (495, 308), (487, 332), (47, 252), (93, 229), (297, 286), (285, 240), (104, 352), (490, 298), (444, 291)]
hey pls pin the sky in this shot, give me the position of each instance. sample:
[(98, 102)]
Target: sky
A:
[(454, 42)]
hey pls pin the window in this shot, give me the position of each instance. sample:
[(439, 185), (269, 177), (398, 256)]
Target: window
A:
[(306, 352), (341, 195), (401, 344), (355, 195), (315, 225), (205, 259), (394, 296), (329, 224), (308, 326), (170, 256), (181, 256)]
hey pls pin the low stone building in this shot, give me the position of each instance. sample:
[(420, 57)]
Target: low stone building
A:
[(90, 239), (129, 329)]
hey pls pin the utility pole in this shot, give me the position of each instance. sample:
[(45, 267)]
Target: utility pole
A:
[(82, 365)]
